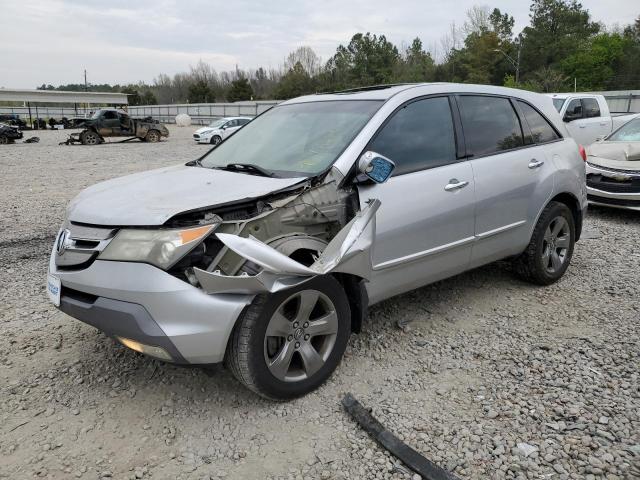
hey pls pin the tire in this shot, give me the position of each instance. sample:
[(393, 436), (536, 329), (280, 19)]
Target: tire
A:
[(152, 136), (293, 361), (4, 140), (215, 140), (549, 252), (89, 137)]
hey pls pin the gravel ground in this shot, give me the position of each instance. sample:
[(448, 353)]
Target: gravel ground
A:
[(492, 378)]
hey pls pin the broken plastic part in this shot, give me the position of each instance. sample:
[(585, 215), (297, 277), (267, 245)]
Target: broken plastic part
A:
[(348, 252)]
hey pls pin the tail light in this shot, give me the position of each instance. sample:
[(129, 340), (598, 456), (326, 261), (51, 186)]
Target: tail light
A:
[(583, 153)]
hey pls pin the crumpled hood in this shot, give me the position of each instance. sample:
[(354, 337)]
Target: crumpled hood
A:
[(621, 155), (153, 197)]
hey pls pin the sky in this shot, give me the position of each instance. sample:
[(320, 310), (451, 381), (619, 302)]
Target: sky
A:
[(126, 41)]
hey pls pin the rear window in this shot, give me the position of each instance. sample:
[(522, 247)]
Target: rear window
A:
[(591, 107), (541, 130), (490, 124)]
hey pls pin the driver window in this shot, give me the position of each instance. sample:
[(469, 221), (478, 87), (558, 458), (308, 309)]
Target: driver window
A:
[(574, 109), (110, 115)]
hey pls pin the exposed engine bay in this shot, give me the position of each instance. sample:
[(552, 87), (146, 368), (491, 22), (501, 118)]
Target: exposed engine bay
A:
[(275, 243)]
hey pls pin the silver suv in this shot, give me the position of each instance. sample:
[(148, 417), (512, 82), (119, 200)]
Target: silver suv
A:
[(266, 252)]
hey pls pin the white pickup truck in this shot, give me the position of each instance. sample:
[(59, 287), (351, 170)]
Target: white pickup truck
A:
[(587, 116)]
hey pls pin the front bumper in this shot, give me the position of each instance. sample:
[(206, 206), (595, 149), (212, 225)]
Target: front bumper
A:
[(143, 303), (613, 188), (202, 138)]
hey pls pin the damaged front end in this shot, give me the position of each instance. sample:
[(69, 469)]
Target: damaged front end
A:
[(280, 242)]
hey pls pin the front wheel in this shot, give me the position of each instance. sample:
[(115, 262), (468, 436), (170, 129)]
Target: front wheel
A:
[(288, 343), (89, 137), (215, 140), (549, 252), (4, 140), (152, 136)]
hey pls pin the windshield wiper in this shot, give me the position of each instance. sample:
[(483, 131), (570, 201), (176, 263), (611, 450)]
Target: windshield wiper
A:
[(247, 168)]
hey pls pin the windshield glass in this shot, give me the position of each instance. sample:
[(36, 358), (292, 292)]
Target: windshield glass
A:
[(558, 102), (302, 139), (218, 123), (96, 114), (629, 132)]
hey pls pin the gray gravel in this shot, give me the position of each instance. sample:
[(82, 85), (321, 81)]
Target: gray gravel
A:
[(491, 378)]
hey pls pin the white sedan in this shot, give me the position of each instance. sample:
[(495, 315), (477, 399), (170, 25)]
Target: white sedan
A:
[(219, 129)]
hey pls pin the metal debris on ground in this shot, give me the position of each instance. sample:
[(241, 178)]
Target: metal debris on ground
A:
[(412, 459)]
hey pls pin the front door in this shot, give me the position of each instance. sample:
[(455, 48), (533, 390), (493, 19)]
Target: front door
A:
[(424, 227)]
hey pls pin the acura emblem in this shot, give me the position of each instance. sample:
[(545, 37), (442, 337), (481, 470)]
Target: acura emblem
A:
[(64, 241)]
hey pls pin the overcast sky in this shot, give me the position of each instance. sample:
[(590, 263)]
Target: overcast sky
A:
[(122, 41)]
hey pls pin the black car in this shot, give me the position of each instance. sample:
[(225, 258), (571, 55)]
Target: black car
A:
[(9, 133), (12, 119)]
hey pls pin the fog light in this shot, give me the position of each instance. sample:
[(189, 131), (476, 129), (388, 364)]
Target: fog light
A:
[(150, 350)]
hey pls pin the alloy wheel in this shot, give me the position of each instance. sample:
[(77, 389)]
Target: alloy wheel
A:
[(300, 336), (555, 244)]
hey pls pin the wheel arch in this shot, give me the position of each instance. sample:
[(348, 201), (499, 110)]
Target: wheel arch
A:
[(574, 205)]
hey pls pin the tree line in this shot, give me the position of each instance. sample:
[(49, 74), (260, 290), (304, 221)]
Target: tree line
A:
[(562, 48)]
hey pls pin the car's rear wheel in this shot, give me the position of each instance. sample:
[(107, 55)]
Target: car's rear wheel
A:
[(89, 138), (215, 140), (288, 343), (549, 252), (152, 136)]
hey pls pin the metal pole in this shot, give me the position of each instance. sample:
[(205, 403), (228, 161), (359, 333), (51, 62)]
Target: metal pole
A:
[(30, 119), (518, 63), (37, 117)]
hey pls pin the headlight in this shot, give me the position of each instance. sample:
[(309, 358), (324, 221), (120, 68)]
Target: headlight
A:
[(206, 132), (161, 248)]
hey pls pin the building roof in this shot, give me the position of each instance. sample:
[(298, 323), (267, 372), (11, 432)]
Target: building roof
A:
[(57, 96)]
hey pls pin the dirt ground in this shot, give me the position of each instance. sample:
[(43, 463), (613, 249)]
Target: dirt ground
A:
[(492, 377)]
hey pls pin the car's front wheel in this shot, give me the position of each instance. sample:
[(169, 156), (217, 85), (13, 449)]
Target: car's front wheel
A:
[(288, 343), (215, 140), (549, 252)]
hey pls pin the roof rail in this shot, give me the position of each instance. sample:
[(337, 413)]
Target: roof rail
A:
[(366, 89)]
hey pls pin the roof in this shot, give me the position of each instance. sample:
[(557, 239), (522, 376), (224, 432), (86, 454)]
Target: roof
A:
[(58, 96)]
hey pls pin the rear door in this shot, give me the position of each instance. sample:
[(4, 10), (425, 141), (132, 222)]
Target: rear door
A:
[(594, 123), (424, 227), (513, 176)]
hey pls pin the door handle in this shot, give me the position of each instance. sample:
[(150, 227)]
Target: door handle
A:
[(455, 184), (535, 163), (582, 126)]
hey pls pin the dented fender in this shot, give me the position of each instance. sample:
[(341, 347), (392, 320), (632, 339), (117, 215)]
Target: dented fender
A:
[(348, 252)]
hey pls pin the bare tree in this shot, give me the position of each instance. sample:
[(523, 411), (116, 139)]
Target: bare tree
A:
[(309, 60)]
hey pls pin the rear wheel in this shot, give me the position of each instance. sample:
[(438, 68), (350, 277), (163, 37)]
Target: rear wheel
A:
[(152, 136), (549, 252), (89, 137), (288, 343), (215, 140)]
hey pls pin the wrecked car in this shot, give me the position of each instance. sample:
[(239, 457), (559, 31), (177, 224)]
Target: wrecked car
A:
[(266, 252), (613, 168), (114, 123), (9, 134)]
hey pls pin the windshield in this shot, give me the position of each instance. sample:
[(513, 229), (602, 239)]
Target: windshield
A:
[(218, 123), (302, 139), (96, 114), (558, 102), (629, 132)]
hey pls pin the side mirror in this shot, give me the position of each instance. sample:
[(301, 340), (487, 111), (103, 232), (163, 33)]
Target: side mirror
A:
[(375, 166)]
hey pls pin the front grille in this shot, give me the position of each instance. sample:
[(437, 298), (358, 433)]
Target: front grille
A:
[(614, 201), (613, 185), (196, 136), (609, 169), (77, 246)]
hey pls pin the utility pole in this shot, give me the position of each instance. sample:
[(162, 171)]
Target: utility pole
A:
[(85, 80), (515, 63)]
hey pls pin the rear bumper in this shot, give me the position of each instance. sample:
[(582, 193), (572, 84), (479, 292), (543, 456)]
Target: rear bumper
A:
[(143, 303)]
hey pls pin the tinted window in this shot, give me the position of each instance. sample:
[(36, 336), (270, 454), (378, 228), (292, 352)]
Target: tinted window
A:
[(243, 121), (110, 115), (418, 136), (591, 108), (574, 109), (490, 124), (539, 126)]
